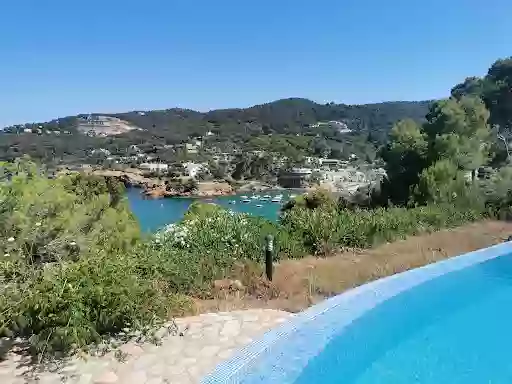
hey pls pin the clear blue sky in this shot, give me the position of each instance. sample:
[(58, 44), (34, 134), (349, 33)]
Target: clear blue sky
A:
[(62, 57)]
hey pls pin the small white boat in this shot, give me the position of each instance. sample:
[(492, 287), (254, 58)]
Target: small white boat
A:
[(266, 197), (244, 197), (232, 202), (259, 205), (255, 197), (276, 199), (246, 201)]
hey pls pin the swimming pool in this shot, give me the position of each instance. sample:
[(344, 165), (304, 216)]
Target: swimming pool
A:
[(447, 322)]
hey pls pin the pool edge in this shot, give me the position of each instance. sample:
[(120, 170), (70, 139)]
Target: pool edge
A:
[(369, 295)]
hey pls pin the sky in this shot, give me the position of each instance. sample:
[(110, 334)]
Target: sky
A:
[(62, 57)]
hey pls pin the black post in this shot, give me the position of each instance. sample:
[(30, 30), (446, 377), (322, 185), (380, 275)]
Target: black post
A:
[(269, 256)]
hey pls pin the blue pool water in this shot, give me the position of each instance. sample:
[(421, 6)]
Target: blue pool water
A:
[(456, 328), (153, 214)]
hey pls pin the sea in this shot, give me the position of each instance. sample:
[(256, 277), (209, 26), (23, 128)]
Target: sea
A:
[(154, 214)]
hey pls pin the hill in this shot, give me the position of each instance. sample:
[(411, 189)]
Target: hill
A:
[(283, 116), (57, 139)]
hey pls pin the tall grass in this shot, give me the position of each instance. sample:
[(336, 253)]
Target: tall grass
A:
[(325, 228)]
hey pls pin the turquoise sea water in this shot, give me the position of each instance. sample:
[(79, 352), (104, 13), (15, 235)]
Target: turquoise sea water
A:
[(452, 329), (153, 214)]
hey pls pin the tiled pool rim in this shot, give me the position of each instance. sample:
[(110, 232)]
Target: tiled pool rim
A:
[(311, 330)]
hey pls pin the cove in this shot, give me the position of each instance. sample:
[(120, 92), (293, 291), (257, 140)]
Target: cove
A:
[(154, 214)]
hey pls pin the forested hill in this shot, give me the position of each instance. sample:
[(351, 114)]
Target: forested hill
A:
[(292, 115), (171, 126)]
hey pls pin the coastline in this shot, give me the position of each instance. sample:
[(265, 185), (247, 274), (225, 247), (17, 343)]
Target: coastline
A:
[(155, 188)]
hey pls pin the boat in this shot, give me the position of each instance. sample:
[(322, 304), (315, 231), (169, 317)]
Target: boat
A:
[(246, 201), (266, 197), (276, 199), (244, 197), (232, 202), (255, 197), (259, 205)]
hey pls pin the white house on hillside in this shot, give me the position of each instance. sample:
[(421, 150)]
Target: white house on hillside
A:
[(154, 167), (193, 168)]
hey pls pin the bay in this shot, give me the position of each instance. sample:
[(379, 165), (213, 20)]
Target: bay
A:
[(154, 214)]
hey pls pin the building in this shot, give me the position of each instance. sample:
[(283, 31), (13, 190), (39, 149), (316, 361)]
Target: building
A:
[(191, 148), (344, 176), (193, 168), (330, 163), (104, 151), (154, 167), (295, 178)]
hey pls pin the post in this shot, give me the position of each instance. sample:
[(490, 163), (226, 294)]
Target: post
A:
[(269, 256)]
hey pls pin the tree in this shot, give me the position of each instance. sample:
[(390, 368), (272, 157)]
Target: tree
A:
[(57, 219), (438, 183), (405, 158), (495, 89), (457, 129), (472, 86)]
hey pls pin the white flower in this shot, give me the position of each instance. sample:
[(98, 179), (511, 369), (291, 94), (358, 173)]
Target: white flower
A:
[(6, 255), (10, 239), (38, 224), (72, 243)]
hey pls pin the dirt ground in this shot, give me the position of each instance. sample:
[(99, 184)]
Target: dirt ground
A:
[(301, 283)]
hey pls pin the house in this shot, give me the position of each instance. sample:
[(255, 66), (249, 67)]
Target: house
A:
[(344, 176), (193, 168), (295, 178), (330, 163), (191, 148), (104, 151), (154, 167)]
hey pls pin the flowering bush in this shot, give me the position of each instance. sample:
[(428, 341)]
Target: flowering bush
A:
[(69, 275), (207, 244)]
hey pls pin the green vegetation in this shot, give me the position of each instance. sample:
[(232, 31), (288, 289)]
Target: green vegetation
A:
[(75, 268), (244, 129), (68, 273)]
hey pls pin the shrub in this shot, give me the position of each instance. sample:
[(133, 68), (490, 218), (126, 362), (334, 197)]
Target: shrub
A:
[(69, 274), (318, 197), (204, 247), (325, 229)]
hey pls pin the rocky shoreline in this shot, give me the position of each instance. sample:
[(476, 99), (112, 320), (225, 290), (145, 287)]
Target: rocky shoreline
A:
[(155, 188)]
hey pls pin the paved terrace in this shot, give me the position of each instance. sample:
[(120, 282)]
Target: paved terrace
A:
[(182, 353)]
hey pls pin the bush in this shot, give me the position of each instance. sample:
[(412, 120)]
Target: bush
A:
[(71, 305), (204, 247), (69, 274), (497, 193), (318, 197), (325, 229)]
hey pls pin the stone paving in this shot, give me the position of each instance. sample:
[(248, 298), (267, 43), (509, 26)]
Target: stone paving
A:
[(177, 356)]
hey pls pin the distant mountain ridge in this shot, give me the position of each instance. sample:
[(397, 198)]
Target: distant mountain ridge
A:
[(290, 115), (339, 125)]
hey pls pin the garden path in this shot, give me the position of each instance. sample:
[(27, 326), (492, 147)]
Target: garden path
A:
[(182, 353)]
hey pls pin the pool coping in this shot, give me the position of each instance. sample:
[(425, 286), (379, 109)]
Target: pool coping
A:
[(346, 307)]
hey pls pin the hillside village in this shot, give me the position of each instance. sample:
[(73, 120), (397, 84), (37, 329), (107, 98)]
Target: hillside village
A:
[(335, 154), (202, 161)]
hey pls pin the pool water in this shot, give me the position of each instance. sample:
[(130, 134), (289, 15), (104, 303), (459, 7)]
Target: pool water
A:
[(456, 328)]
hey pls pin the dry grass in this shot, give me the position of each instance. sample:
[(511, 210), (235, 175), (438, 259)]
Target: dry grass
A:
[(301, 283)]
